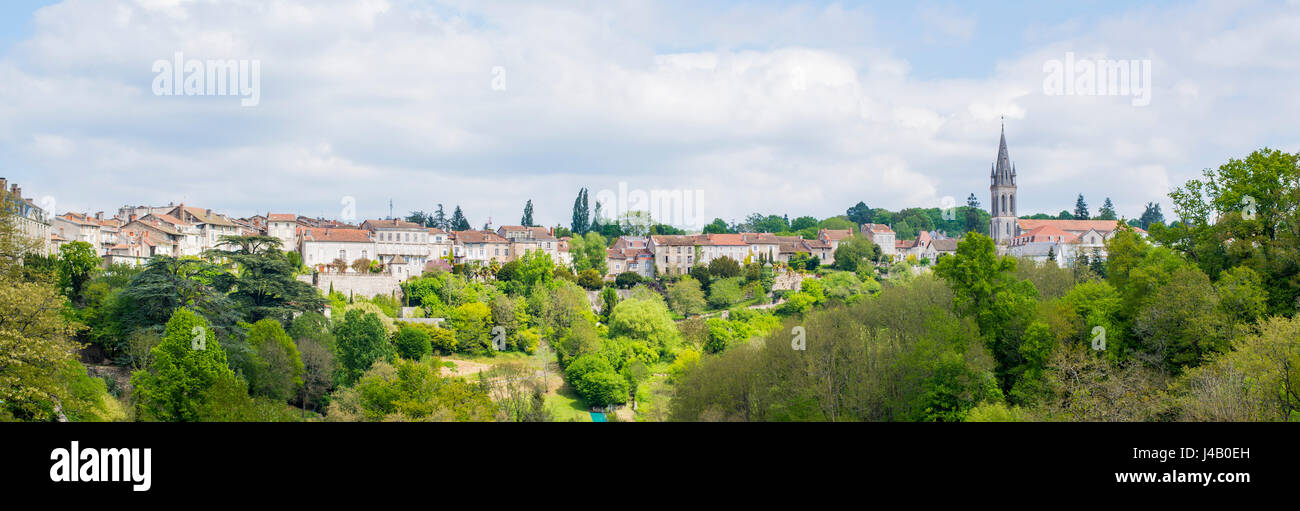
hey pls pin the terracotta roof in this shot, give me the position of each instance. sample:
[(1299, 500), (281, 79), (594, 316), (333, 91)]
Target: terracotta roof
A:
[(759, 238), (435, 230), (835, 234), (282, 217), (478, 237), (726, 239), (153, 223), (944, 245), (1047, 233), (337, 235), (673, 240), (877, 228), (205, 216), (1102, 226), (536, 233), (390, 224), (167, 219)]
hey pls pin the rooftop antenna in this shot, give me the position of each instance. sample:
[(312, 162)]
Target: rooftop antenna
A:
[(390, 209)]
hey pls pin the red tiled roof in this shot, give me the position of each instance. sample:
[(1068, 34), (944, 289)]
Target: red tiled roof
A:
[(1102, 226), (726, 239), (337, 235), (478, 237), (835, 234), (282, 217), (390, 224), (880, 228)]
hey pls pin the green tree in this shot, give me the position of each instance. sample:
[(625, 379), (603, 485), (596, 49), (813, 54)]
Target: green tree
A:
[(686, 297), (458, 221), (277, 368), (1107, 211), (717, 226), (412, 343), (859, 213), (853, 252), (724, 267), (581, 222), (360, 341), (527, 220), (472, 323), (1080, 209), (187, 364), (76, 266), (410, 391)]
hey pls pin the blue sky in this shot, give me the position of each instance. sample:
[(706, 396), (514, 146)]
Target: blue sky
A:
[(798, 108)]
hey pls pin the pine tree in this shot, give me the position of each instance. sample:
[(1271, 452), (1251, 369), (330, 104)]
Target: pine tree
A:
[(1107, 211), (439, 219), (1080, 209), (1151, 215), (527, 220), (458, 221)]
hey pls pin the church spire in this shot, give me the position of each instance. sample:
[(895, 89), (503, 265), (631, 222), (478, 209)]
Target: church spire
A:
[(1003, 169)]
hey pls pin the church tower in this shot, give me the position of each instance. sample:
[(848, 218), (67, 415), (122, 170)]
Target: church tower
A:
[(1002, 190)]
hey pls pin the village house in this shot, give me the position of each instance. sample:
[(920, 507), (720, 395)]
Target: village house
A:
[(284, 227), (1063, 240), (630, 254), (211, 226), (152, 236), (762, 245), (673, 254), (525, 239), (33, 221), (440, 243), (401, 246), (480, 246), (189, 238), (883, 236), (321, 247)]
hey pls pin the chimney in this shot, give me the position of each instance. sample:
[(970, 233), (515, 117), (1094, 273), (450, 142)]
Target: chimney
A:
[(132, 217), (209, 213), (99, 215)]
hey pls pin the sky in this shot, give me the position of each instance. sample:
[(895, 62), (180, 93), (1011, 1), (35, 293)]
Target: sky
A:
[(794, 108)]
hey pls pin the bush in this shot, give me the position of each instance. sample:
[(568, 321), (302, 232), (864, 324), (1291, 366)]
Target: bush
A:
[(590, 279), (627, 279), (412, 343), (724, 267), (726, 292)]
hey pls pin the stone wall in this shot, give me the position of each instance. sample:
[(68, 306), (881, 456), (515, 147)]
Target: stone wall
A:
[(356, 285)]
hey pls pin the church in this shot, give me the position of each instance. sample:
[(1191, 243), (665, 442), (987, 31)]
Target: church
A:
[(1040, 240)]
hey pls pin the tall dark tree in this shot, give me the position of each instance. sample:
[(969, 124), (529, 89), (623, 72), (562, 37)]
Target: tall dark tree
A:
[(527, 220), (972, 214), (458, 221), (418, 217), (1107, 211), (1151, 215), (1081, 209), (265, 285), (581, 223), (439, 219), (859, 214)]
